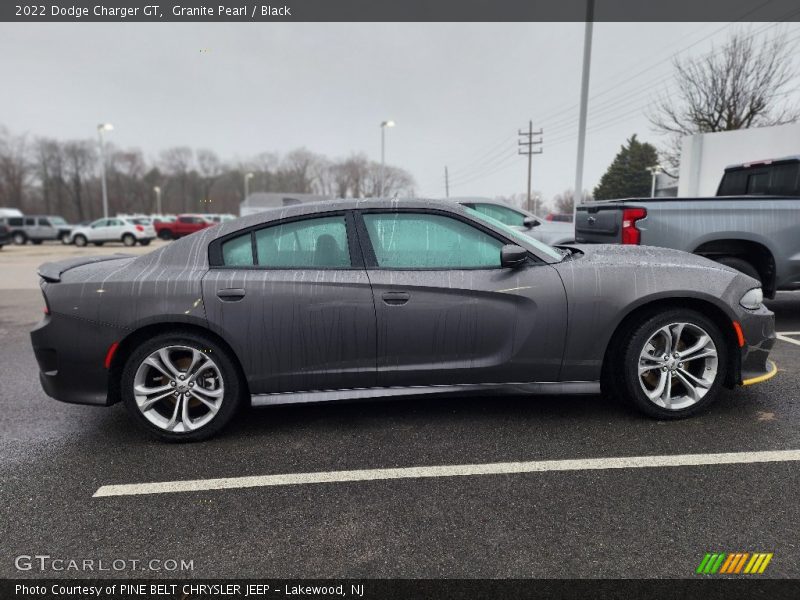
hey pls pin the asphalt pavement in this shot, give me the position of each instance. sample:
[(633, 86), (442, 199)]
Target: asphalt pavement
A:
[(633, 523)]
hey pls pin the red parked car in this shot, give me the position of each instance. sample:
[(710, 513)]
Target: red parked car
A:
[(181, 226)]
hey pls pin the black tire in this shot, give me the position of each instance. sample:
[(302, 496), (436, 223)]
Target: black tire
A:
[(64, 237), (165, 234), (740, 264), (129, 240), (232, 386), (627, 362), (98, 243), (144, 242), (19, 238), (80, 240)]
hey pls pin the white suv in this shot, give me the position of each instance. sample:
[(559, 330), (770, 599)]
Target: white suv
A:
[(126, 230)]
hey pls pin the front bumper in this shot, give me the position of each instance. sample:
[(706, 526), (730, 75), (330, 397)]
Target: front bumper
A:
[(758, 329), (71, 355)]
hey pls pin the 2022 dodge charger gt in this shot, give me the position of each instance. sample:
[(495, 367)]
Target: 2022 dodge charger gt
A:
[(376, 298)]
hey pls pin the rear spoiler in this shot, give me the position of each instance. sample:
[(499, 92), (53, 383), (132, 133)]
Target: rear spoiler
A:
[(52, 271)]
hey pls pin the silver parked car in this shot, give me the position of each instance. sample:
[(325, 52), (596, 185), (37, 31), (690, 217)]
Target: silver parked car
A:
[(549, 232)]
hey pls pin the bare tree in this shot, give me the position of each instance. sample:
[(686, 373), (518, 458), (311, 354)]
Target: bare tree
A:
[(14, 168), (177, 163), (210, 169), (80, 161), (741, 85), (48, 165), (564, 203)]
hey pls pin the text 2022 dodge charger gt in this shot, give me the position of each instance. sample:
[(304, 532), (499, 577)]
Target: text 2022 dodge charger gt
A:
[(376, 298)]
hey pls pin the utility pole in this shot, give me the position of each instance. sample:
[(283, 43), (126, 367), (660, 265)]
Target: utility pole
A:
[(446, 183), (528, 144)]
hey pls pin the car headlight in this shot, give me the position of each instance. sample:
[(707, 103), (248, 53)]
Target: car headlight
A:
[(752, 299)]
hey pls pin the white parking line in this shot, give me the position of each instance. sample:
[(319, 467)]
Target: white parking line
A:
[(506, 468), (784, 337)]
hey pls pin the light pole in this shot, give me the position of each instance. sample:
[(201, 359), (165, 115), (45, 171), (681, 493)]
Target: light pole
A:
[(577, 195), (654, 171), (157, 190), (247, 178), (100, 129), (384, 125)]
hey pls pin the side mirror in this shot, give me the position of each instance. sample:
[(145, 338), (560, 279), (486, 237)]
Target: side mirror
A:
[(530, 222), (512, 256)]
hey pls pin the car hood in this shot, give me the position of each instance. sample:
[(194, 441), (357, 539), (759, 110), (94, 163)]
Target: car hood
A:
[(641, 256)]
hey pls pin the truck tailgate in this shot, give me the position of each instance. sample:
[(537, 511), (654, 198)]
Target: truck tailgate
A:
[(599, 223)]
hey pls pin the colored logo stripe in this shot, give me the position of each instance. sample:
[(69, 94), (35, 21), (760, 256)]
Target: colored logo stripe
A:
[(734, 562)]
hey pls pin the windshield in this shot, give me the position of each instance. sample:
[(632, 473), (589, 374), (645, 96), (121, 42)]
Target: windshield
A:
[(57, 221), (517, 235)]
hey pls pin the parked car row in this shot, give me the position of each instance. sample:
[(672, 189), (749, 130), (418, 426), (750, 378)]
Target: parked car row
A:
[(127, 229)]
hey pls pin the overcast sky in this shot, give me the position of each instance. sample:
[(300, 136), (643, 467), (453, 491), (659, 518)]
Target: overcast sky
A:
[(458, 92)]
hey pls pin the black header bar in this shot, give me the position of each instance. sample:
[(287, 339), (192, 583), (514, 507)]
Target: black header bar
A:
[(283, 11)]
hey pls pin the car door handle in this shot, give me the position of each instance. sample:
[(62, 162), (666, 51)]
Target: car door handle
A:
[(230, 294), (396, 298)]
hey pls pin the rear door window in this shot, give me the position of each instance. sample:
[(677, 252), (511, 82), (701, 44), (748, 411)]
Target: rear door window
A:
[(310, 243)]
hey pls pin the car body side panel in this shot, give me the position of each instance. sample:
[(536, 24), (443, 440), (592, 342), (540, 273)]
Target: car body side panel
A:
[(469, 326), (296, 330), (607, 283), (99, 303)]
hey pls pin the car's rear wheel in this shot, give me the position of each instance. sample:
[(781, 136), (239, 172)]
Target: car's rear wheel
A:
[(165, 234), (181, 386), (80, 240), (19, 238), (128, 240), (673, 364)]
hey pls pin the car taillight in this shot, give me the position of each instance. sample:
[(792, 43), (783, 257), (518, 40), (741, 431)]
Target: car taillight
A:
[(139, 228), (630, 234)]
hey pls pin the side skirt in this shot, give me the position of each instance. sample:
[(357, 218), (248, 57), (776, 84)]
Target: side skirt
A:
[(553, 388)]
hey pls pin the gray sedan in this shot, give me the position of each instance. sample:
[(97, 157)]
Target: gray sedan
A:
[(376, 298)]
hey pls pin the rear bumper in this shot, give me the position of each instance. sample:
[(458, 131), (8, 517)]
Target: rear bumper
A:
[(758, 328), (71, 354)]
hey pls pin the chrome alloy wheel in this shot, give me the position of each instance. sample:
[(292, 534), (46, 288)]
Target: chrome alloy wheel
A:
[(678, 365), (178, 388)]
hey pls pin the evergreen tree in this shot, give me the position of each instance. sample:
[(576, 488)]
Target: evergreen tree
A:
[(628, 175)]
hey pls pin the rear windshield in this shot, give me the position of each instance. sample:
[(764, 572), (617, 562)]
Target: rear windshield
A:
[(780, 179)]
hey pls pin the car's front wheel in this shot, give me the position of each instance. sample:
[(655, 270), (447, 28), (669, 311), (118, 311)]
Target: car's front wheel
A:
[(673, 364), (181, 386)]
